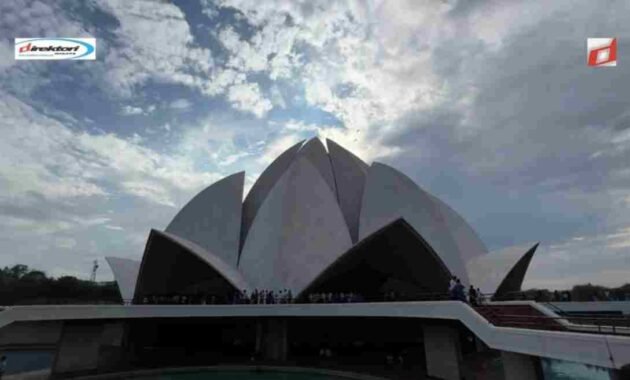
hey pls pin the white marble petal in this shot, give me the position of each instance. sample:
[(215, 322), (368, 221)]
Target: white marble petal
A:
[(316, 153), (171, 264), (467, 240), (298, 232), (488, 271), (212, 219), (350, 173), (126, 274), (389, 195), (228, 271), (263, 185)]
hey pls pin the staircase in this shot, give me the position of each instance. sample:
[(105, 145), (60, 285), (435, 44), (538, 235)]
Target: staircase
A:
[(520, 316)]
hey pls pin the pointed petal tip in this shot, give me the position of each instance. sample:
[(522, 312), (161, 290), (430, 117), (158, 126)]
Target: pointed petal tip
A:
[(313, 141)]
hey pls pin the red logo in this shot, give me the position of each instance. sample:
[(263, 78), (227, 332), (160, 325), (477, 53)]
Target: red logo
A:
[(25, 48), (602, 51)]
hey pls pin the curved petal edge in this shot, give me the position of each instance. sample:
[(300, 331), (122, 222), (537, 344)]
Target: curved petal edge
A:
[(502, 271), (125, 274), (212, 219), (394, 258), (350, 173), (389, 195), (299, 231), (172, 264), (261, 188)]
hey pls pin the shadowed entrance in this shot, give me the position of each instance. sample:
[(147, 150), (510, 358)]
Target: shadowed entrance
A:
[(393, 259)]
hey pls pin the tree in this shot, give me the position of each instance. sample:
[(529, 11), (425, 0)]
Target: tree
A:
[(35, 276), (17, 271), (21, 286)]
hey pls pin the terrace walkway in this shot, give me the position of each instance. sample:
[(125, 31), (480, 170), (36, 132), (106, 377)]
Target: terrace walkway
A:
[(609, 351)]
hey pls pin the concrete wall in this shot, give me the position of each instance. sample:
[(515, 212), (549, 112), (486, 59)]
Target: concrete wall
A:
[(272, 339), (111, 353), (30, 334), (519, 366), (89, 346), (78, 347), (443, 352), (592, 349)]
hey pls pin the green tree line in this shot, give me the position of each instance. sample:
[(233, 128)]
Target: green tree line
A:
[(581, 293), (21, 285)]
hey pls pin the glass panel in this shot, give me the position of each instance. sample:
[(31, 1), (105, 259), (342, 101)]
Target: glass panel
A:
[(564, 370)]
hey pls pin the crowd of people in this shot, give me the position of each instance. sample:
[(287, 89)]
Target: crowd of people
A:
[(335, 297), (286, 296), (457, 292), (263, 297), (181, 299)]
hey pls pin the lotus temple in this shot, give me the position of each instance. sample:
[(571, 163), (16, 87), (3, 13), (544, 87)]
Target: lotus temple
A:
[(359, 260), (317, 220)]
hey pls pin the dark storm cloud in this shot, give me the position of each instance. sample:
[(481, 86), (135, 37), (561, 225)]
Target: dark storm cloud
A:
[(538, 154)]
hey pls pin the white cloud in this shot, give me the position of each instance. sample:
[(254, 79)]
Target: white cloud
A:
[(232, 158), (244, 56), (247, 97), (153, 42), (180, 104), (619, 239), (31, 159), (353, 140), (352, 47), (59, 183), (277, 98), (300, 126), (130, 110), (596, 258), (43, 156), (65, 243), (220, 80), (271, 49), (148, 190), (34, 227), (90, 221), (276, 147)]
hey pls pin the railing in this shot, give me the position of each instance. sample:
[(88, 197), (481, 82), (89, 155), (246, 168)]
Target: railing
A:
[(173, 299), (324, 297), (610, 325), (63, 301), (496, 313), (206, 299), (554, 308)]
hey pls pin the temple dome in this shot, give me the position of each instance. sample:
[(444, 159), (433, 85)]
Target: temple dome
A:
[(314, 216)]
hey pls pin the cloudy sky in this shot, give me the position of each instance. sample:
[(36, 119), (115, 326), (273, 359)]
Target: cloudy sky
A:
[(487, 104)]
